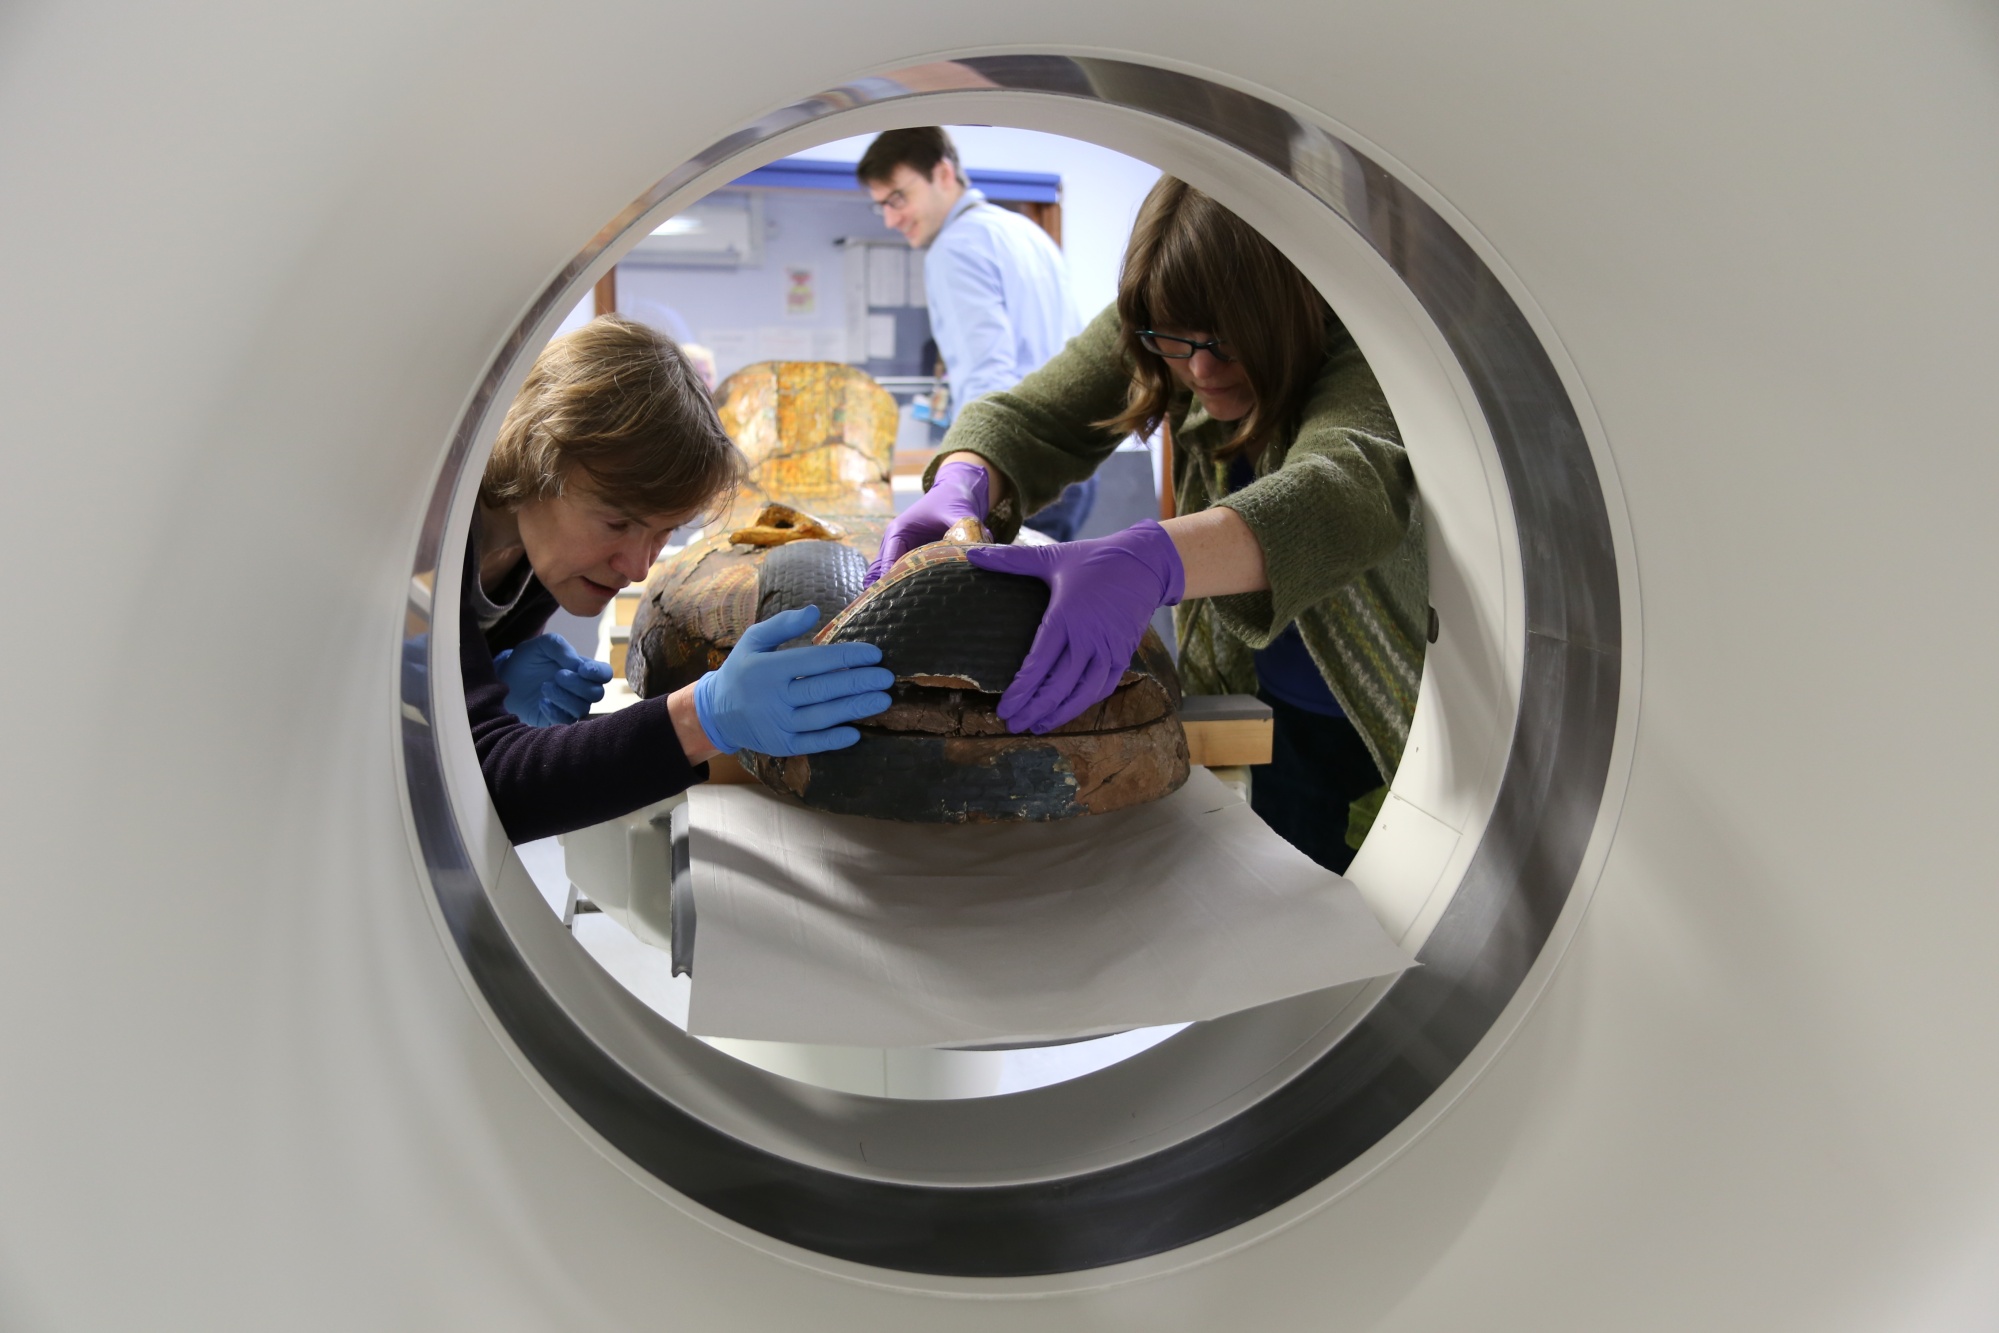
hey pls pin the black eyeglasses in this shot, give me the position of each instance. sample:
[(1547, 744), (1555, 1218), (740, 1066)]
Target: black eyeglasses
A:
[(893, 199), (1179, 349)]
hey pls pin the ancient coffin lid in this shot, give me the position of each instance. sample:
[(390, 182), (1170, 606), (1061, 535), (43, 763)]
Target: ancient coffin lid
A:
[(698, 601), (955, 635), (821, 573), (941, 620), (924, 779), (817, 435), (780, 525)]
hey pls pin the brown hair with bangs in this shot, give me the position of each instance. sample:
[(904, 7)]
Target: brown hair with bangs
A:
[(1192, 265), (616, 406)]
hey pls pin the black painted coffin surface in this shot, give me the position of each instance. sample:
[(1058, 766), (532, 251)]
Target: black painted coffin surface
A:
[(955, 636)]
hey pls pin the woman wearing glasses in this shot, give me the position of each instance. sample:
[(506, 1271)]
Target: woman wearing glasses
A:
[(1296, 560)]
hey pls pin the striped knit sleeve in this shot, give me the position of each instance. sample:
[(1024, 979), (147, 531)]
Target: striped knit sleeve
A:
[(1339, 503)]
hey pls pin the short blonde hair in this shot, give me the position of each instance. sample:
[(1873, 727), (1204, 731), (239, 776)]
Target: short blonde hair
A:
[(617, 406)]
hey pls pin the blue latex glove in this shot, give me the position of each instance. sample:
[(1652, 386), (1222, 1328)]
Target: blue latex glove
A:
[(958, 491), (548, 682), (790, 700), (1102, 593)]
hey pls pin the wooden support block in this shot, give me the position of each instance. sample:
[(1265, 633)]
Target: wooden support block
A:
[(1228, 744), (913, 462), (724, 768), (1226, 730), (625, 606)]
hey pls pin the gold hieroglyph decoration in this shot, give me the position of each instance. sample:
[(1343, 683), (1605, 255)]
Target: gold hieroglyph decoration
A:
[(820, 436)]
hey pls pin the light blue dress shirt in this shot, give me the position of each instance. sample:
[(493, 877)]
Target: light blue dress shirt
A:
[(999, 297)]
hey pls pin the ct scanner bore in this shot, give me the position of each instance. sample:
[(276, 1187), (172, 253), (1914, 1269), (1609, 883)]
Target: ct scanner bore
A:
[(629, 1075), (257, 256)]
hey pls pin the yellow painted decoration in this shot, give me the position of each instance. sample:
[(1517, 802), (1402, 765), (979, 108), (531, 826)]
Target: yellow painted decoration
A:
[(819, 435)]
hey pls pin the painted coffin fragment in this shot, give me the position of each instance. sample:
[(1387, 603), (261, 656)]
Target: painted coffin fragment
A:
[(820, 439), (955, 635)]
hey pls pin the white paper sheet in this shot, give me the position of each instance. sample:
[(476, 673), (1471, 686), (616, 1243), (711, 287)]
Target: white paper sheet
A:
[(858, 932)]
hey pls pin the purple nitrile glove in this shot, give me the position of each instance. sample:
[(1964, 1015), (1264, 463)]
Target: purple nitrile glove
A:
[(958, 491), (1102, 593)]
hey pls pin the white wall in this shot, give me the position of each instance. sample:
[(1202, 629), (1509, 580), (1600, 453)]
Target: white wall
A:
[(740, 312)]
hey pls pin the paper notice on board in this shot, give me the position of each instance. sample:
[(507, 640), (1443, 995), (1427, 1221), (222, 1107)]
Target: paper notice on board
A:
[(801, 292), (881, 337), (888, 276)]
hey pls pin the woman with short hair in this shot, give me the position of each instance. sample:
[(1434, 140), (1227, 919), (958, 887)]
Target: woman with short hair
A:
[(1296, 558), (611, 444)]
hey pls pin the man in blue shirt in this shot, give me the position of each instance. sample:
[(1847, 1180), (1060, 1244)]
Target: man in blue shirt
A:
[(997, 288)]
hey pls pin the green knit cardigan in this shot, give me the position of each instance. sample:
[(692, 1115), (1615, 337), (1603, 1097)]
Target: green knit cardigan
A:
[(1334, 507)]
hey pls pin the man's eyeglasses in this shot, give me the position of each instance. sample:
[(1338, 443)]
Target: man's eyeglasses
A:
[(893, 199), (1179, 349)]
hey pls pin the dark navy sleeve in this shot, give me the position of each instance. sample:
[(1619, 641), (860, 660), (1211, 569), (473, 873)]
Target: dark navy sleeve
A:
[(550, 780)]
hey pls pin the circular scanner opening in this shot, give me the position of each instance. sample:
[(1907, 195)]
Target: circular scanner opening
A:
[(1471, 862)]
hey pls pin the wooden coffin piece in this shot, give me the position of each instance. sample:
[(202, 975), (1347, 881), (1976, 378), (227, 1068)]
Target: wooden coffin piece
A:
[(955, 636), (696, 606), (984, 780), (818, 436), (699, 602), (779, 525), (824, 574), (941, 620), (819, 440)]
